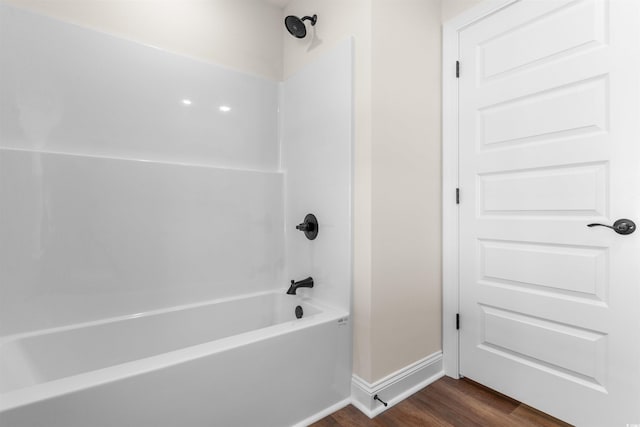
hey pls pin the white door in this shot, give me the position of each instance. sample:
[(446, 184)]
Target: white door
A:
[(549, 142)]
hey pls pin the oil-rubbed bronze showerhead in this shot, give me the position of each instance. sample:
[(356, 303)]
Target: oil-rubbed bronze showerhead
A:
[(296, 26)]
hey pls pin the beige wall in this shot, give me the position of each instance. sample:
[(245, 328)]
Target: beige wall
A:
[(245, 35), (451, 8), (406, 238), (406, 202)]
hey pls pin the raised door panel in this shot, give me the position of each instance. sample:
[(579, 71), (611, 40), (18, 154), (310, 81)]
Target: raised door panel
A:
[(547, 126)]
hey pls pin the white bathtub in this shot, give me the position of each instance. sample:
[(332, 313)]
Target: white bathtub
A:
[(236, 362)]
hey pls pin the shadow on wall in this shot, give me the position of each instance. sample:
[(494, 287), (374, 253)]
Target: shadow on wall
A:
[(315, 41)]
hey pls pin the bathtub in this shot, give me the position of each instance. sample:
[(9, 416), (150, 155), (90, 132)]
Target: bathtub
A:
[(235, 362)]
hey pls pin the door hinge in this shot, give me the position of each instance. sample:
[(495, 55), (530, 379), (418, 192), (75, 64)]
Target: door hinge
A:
[(457, 196), (457, 321), (457, 69)]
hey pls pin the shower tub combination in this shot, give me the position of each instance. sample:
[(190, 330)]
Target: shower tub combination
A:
[(242, 361)]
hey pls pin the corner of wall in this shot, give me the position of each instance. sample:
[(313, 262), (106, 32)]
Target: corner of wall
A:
[(370, 398)]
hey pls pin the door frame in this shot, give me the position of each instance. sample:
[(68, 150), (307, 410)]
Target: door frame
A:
[(450, 210)]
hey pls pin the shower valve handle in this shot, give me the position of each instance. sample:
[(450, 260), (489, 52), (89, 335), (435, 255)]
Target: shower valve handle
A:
[(309, 227), (305, 226)]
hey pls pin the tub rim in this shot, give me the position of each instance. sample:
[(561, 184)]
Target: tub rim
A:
[(153, 312), (85, 380)]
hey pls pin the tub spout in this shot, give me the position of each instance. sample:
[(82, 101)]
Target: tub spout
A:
[(304, 283)]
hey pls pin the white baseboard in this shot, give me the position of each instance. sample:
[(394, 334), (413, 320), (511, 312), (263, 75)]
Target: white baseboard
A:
[(396, 387), (325, 412), (392, 389)]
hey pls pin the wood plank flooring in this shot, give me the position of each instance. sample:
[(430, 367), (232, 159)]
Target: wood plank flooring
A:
[(448, 403)]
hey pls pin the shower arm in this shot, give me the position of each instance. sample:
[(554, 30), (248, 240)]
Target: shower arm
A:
[(313, 19)]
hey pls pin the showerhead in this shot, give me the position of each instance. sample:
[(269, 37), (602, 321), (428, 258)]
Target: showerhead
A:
[(296, 26)]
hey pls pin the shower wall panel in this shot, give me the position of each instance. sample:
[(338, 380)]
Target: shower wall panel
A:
[(86, 238), (317, 111), (67, 89), (124, 187)]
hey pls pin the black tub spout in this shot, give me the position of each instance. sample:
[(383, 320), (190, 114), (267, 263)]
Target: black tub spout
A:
[(304, 283)]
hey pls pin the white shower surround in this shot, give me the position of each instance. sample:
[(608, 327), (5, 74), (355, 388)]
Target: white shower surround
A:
[(316, 131), (87, 238), (125, 190), (78, 91)]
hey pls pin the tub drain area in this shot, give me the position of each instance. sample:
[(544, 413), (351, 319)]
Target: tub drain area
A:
[(299, 312)]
